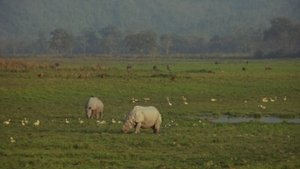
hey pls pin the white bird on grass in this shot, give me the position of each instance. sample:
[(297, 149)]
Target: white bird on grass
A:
[(285, 98), (146, 99), (7, 122), (262, 107), (213, 99), (37, 123), (80, 121), (67, 121), (184, 100), (25, 120), (134, 100), (12, 140), (168, 100), (272, 100), (113, 121), (265, 100), (23, 123), (100, 122)]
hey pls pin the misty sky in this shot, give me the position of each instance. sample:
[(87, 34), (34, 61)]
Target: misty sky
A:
[(26, 18)]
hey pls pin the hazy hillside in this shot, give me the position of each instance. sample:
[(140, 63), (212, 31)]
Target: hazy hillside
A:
[(26, 18)]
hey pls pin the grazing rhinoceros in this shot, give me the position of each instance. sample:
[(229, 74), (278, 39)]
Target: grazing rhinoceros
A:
[(143, 117), (94, 108)]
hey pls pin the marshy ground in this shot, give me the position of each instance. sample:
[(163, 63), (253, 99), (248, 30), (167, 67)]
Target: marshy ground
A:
[(55, 90)]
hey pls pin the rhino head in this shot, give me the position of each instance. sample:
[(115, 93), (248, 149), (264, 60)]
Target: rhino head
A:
[(126, 127), (89, 112)]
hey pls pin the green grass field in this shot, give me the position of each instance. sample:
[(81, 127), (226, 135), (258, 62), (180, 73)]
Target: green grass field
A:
[(33, 89)]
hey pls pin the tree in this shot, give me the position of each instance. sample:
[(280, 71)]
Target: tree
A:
[(111, 39), (173, 43), (141, 43), (223, 44), (250, 40), (91, 41), (41, 44), (80, 45), (284, 35), (61, 41), (280, 28), (195, 44), (166, 43)]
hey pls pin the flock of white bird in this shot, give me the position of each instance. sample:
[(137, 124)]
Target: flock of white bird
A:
[(184, 99), (269, 99), (147, 99), (37, 123), (67, 121), (264, 100)]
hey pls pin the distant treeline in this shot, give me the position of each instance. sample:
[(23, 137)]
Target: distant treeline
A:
[(281, 39)]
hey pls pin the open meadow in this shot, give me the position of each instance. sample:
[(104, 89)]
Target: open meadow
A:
[(55, 90)]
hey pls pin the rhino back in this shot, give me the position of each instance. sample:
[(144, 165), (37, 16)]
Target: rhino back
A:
[(94, 103), (147, 115)]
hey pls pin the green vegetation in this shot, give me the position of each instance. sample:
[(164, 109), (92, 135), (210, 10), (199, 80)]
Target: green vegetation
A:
[(52, 90)]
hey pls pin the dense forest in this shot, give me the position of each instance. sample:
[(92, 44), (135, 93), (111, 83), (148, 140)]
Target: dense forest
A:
[(260, 28)]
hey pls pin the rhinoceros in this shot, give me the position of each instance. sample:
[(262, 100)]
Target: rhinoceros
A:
[(142, 117), (94, 108)]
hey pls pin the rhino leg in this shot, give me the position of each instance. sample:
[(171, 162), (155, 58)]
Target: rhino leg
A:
[(92, 114), (155, 130), (156, 127), (101, 115), (97, 115), (138, 127)]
